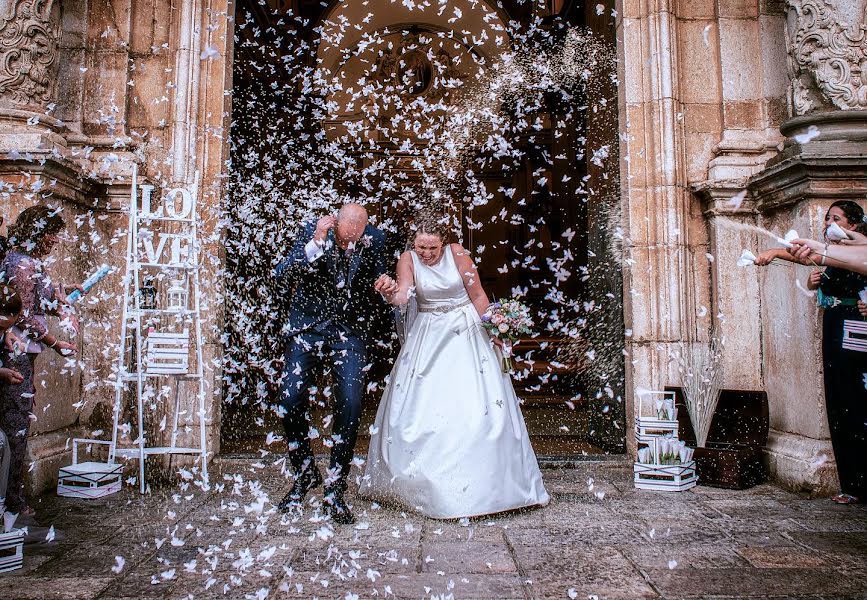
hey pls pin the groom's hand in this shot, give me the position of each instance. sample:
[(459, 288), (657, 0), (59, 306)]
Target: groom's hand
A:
[(385, 285), (322, 227)]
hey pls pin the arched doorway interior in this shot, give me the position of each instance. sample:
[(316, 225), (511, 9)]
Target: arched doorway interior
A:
[(353, 100)]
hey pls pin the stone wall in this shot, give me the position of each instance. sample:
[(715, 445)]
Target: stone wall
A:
[(702, 97), (707, 86), (113, 83)]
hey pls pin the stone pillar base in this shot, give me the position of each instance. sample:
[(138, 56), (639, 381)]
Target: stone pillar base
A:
[(46, 453), (802, 464)]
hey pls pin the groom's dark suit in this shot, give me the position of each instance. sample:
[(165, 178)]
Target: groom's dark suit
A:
[(329, 322)]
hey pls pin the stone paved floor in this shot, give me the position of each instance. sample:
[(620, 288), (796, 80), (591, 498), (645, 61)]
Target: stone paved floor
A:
[(610, 541)]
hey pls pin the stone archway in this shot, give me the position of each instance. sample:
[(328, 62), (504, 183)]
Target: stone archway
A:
[(574, 403)]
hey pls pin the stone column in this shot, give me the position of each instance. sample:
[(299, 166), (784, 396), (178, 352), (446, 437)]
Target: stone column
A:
[(35, 166), (29, 38), (200, 143), (738, 108), (823, 160), (661, 287), (86, 90)]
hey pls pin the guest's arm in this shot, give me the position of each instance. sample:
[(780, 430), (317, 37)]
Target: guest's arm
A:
[(22, 277), (765, 258), (811, 252)]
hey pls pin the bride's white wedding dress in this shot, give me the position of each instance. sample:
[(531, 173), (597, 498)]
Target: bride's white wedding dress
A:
[(449, 439)]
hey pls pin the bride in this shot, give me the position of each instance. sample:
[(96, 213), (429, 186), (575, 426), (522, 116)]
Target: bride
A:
[(449, 440)]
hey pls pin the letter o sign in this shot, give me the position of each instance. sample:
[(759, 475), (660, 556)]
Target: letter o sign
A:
[(170, 204)]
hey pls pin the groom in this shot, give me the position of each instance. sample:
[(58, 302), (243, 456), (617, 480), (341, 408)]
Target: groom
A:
[(333, 268)]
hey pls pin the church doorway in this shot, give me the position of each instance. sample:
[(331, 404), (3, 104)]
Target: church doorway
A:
[(404, 105)]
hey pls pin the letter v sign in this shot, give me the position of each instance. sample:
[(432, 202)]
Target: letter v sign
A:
[(154, 255)]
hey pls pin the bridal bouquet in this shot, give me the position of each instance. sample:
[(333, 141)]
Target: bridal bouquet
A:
[(508, 320)]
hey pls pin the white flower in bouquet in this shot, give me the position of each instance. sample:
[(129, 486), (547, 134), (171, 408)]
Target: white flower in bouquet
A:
[(645, 456), (685, 455)]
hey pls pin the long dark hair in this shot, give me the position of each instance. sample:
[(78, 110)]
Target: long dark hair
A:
[(33, 224), (851, 210), (10, 301)]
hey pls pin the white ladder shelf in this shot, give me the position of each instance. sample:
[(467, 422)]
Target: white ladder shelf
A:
[(173, 353)]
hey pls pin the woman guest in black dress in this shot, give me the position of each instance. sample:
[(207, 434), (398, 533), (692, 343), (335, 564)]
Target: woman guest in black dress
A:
[(844, 370)]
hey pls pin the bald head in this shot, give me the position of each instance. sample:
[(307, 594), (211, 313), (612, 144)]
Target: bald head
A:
[(351, 221)]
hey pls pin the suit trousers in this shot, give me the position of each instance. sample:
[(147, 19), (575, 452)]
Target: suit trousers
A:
[(343, 354)]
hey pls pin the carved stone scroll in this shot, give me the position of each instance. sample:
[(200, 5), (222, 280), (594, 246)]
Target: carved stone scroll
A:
[(28, 52), (827, 57)]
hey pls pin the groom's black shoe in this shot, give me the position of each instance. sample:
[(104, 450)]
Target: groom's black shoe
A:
[(305, 482), (336, 508)]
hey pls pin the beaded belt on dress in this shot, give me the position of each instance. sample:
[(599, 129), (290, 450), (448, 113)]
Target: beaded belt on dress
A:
[(444, 308)]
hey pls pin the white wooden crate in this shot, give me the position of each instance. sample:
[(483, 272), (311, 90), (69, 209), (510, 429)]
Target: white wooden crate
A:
[(167, 353), (89, 480), (647, 428), (665, 478), (11, 549)]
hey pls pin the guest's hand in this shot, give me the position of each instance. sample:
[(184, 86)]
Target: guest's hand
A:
[(385, 285), (10, 376), (323, 226), (14, 343), (815, 279), (862, 308), (855, 239), (765, 258), (802, 249), (64, 348)]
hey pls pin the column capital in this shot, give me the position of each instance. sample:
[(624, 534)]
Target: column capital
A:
[(29, 38), (827, 47)]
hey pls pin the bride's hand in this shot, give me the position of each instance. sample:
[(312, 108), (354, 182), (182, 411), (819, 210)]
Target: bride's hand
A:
[(497, 342), (385, 285)]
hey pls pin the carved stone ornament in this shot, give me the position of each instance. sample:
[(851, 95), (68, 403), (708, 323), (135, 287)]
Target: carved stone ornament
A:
[(827, 57), (28, 51)]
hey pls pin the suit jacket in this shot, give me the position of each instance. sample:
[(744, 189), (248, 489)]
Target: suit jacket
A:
[(322, 293)]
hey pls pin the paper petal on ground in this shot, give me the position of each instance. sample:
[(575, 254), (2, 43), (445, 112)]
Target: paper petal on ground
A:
[(119, 566)]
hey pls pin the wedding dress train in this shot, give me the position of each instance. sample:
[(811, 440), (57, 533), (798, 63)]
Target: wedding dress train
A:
[(449, 440)]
